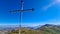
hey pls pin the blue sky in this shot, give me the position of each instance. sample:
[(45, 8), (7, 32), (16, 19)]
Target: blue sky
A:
[(46, 12)]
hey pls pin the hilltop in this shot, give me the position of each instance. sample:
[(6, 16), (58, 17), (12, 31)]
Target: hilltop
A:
[(44, 29)]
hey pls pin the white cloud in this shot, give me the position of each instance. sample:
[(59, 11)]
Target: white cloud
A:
[(51, 4), (58, 1), (48, 6)]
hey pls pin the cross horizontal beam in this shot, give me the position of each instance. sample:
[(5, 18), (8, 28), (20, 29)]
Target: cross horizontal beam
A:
[(27, 10)]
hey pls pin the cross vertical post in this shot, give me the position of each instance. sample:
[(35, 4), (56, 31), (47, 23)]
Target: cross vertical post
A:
[(21, 13), (21, 16)]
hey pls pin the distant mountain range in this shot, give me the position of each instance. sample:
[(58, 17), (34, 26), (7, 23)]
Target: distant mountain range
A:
[(43, 26), (8, 27), (44, 29)]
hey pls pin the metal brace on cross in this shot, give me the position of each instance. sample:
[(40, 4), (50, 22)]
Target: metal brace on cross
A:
[(21, 12)]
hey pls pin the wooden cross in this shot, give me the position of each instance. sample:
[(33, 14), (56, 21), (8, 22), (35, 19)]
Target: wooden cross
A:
[(21, 12)]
